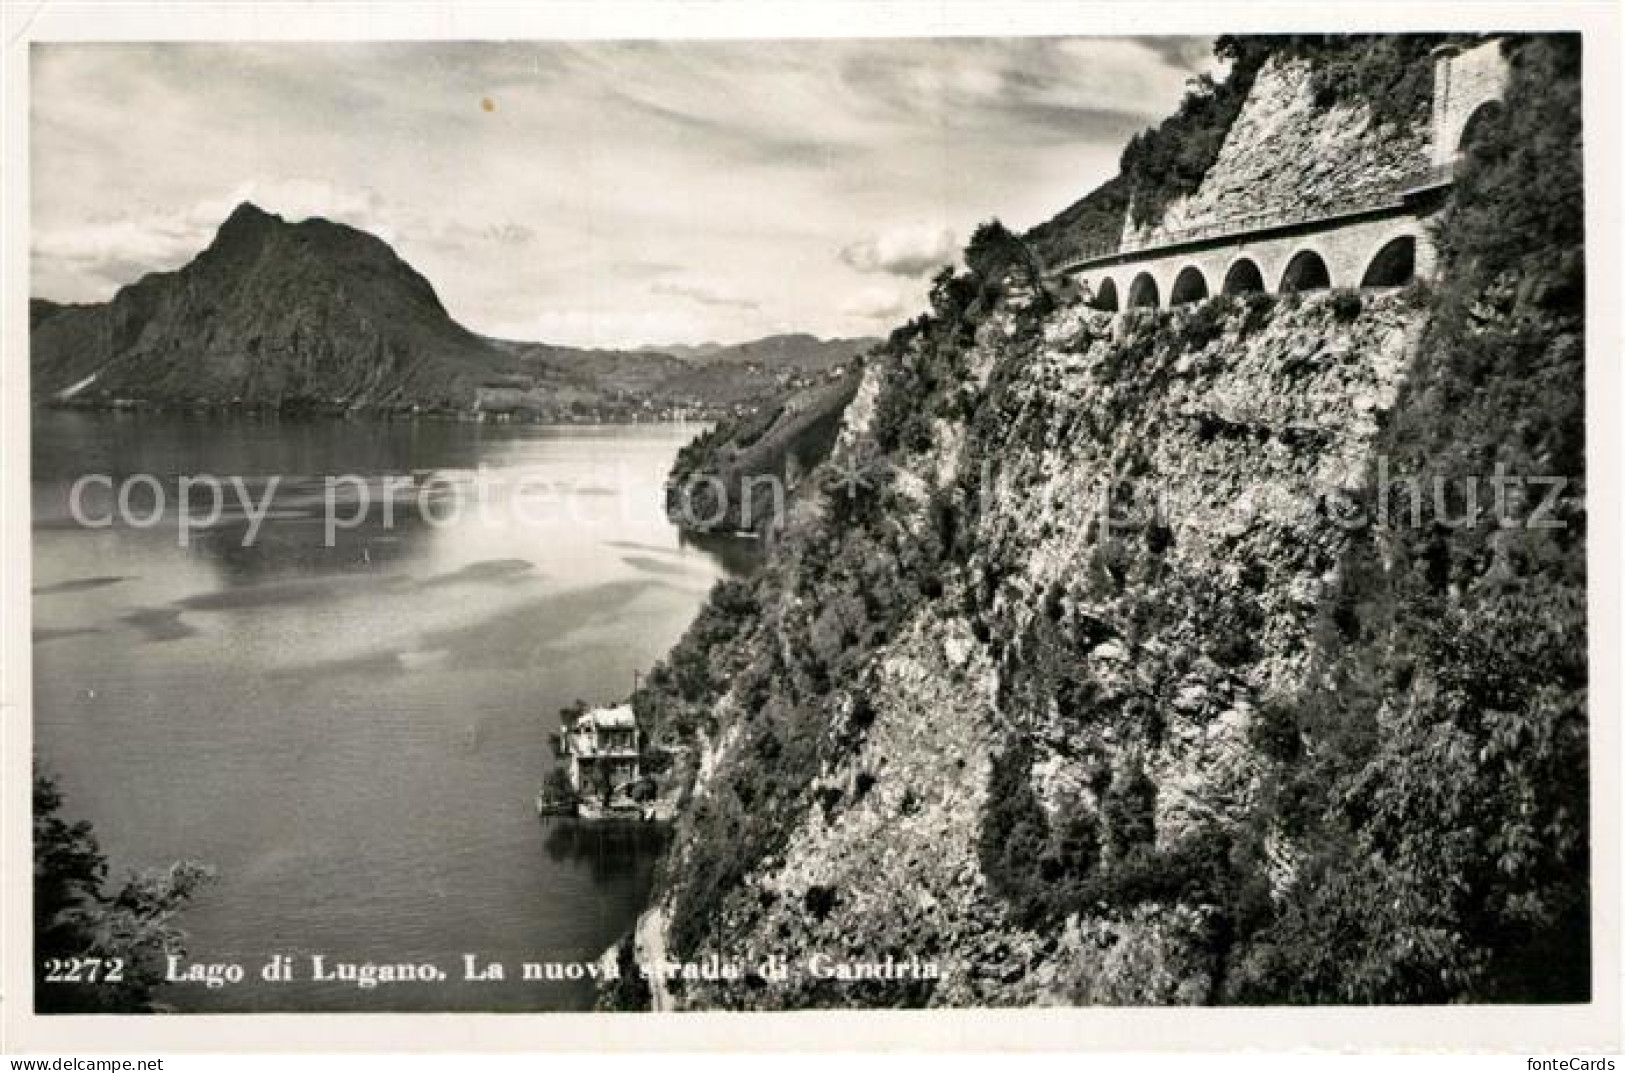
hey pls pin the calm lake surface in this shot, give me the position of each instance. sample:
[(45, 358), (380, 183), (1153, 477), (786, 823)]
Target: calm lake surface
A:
[(353, 735)]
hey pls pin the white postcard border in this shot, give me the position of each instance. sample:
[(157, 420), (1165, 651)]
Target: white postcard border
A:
[(1572, 1028)]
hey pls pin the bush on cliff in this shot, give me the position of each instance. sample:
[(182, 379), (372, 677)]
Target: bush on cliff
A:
[(1392, 74), (77, 917), (1432, 782)]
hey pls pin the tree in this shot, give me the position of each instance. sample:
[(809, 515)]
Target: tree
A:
[(602, 782), (74, 917), (994, 251)]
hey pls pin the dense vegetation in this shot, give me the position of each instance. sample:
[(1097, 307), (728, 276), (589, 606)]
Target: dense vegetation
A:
[(1440, 773), (76, 916)]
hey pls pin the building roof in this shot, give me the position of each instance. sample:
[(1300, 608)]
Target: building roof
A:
[(617, 718)]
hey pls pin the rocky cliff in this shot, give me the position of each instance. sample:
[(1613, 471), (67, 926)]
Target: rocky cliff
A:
[(739, 475), (1286, 156), (1298, 124), (1106, 661)]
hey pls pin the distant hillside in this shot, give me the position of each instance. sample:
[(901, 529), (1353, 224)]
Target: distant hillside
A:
[(806, 352), (786, 440), (317, 316), (41, 308), (795, 348)]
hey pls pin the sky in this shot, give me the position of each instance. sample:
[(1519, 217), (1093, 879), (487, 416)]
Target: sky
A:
[(592, 193)]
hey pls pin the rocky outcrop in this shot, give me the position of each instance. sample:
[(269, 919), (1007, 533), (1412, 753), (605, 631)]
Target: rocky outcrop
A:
[(1287, 157), (1250, 427)]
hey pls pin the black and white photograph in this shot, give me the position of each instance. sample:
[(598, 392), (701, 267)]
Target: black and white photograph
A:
[(674, 522)]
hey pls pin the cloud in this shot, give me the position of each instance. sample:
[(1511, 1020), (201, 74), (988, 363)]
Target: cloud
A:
[(85, 259), (874, 303), (612, 328), (680, 190), (510, 234), (703, 293), (1193, 54), (1026, 92), (910, 252)]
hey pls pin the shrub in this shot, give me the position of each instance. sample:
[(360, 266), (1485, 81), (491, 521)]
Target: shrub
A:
[(819, 901), (76, 916), (1043, 871), (1202, 325), (1346, 305)]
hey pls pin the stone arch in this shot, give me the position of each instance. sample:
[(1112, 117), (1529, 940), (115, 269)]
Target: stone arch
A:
[(1189, 286), (1142, 293), (1463, 80), (1243, 277), (1486, 116), (1306, 271), (1106, 295), (1394, 265)]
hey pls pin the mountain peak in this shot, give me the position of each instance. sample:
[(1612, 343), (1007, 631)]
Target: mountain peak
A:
[(246, 224), (246, 212)]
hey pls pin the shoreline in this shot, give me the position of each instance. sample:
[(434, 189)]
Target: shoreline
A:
[(276, 414)]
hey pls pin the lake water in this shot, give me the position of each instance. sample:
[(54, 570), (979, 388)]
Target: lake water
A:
[(353, 735)]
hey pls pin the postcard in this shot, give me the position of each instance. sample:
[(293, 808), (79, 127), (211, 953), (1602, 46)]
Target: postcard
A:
[(719, 526)]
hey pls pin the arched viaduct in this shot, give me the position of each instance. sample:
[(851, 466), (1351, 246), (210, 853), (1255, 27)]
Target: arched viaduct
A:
[(1381, 251), (1375, 244)]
